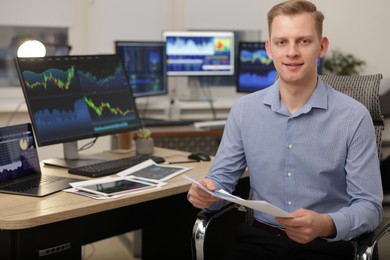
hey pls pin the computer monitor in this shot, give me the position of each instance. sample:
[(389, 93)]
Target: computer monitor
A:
[(255, 70), (199, 53), (145, 65), (70, 98)]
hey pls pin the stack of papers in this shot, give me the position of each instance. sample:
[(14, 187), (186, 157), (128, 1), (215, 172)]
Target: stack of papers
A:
[(144, 176)]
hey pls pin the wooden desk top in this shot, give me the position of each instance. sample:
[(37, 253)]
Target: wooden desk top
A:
[(19, 212)]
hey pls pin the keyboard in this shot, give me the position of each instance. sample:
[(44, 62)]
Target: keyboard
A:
[(113, 166)]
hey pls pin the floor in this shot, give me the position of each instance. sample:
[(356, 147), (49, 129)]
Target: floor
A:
[(114, 248)]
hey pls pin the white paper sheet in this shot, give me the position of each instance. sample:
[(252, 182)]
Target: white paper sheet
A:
[(259, 205)]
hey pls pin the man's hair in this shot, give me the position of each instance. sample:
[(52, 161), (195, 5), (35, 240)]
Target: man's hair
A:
[(294, 7)]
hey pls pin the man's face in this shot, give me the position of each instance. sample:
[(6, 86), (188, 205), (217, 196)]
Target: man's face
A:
[(294, 46)]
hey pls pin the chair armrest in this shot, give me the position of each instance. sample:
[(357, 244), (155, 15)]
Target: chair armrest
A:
[(369, 239), (200, 227), (366, 244)]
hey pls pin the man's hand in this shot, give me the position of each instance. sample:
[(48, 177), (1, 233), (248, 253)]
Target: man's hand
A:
[(200, 198), (308, 225)]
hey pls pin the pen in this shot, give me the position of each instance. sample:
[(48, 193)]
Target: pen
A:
[(182, 162)]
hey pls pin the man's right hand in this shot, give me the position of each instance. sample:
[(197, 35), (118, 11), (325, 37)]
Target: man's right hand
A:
[(200, 198)]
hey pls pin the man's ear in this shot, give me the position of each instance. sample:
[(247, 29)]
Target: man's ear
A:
[(324, 47), (268, 49)]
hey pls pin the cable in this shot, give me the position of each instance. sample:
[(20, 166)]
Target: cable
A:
[(88, 145), (209, 97)]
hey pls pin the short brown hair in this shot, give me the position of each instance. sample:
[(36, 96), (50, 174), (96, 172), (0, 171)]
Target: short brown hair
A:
[(294, 7)]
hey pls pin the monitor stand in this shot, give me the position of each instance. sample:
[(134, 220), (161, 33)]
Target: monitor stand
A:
[(72, 158)]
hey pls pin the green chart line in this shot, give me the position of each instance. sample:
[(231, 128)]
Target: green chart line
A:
[(106, 105)]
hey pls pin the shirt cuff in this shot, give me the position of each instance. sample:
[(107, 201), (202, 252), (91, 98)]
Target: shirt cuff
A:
[(342, 227)]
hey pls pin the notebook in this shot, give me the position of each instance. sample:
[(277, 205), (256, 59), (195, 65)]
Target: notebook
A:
[(20, 171)]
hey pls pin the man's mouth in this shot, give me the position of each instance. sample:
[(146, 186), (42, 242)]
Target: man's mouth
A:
[(293, 64)]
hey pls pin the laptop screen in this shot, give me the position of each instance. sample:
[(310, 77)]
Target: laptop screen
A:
[(18, 152)]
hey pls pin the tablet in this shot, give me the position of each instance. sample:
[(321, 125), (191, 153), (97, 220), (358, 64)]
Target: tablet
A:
[(116, 186)]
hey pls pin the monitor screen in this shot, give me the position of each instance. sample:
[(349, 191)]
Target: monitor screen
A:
[(199, 53), (145, 65), (70, 98), (255, 70)]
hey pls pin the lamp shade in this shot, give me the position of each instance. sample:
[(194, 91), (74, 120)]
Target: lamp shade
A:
[(31, 48)]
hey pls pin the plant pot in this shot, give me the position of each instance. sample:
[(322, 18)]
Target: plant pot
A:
[(144, 146)]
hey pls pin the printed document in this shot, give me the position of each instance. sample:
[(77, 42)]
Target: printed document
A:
[(259, 205)]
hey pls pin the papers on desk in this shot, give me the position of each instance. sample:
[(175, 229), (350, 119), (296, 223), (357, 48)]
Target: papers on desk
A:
[(150, 170), (148, 173), (259, 205)]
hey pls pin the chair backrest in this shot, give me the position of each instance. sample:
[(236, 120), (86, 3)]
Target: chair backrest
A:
[(365, 89)]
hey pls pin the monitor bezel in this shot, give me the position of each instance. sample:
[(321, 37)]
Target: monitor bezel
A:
[(164, 64), (197, 33)]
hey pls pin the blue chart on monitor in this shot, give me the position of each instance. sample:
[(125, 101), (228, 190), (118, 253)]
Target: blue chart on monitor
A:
[(54, 122), (258, 57), (256, 69), (253, 80), (90, 82), (192, 46), (154, 61)]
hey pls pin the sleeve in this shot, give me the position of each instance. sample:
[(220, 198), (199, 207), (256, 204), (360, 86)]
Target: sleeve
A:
[(229, 163), (364, 212)]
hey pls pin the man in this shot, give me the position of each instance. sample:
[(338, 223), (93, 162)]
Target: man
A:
[(309, 149)]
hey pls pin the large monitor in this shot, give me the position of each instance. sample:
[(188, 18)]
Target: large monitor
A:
[(255, 70), (70, 98), (145, 65), (199, 53)]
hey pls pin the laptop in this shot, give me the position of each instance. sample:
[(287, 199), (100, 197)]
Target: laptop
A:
[(20, 171)]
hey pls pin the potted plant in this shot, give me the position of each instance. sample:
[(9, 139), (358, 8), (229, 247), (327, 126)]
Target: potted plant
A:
[(340, 63), (144, 143)]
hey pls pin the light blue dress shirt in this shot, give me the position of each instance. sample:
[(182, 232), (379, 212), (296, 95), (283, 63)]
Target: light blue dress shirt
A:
[(323, 158)]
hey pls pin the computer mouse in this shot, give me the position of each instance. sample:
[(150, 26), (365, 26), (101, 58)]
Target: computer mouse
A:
[(199, 156)]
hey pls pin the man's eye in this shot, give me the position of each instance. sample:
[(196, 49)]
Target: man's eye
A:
[(280, 43), (305, 41)]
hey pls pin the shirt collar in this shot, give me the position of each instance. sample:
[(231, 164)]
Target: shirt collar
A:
[(319, 98)]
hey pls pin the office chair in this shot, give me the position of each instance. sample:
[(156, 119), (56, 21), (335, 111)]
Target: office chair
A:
[(364, 88)]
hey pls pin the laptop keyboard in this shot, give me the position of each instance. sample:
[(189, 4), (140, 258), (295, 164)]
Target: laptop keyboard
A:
[(32, 183)]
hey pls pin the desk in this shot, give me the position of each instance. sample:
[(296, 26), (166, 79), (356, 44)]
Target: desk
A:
[(61, 223)]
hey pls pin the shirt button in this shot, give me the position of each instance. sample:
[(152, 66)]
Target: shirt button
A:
[(289, 174), (289, 203), (290, 146)]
